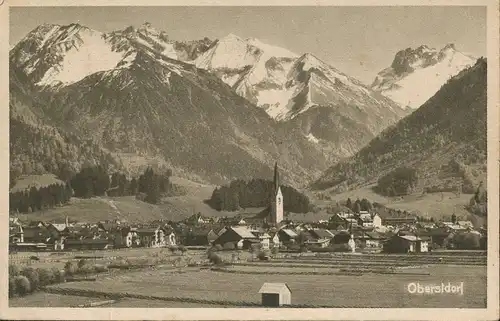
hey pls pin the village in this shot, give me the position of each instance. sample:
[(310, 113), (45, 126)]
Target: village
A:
[(353, 231), (266, 252)]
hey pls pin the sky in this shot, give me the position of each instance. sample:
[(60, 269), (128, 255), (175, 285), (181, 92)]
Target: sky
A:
[(359, 41)]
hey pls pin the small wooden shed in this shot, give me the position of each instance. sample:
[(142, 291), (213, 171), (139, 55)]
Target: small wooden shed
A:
[(275, 294)]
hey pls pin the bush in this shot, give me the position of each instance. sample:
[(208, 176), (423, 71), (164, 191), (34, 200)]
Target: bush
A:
[(255, 247), (58, 276), (344, 247), (12, 286), (81, 263), (183, 249), (467, 241), (86, 269), (215, 259), (69, 268), (14, 270), (33, 278), (45, 276), (229, 246), (263, 255), (100, 268), (23, 285)]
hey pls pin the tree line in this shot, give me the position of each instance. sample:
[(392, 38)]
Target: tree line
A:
[(38, 199), (149, 186), (256, 193), (359, 205), (90, 182), (400, 181)]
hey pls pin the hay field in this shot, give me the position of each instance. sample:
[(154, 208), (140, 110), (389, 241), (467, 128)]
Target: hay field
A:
[(368, 290)]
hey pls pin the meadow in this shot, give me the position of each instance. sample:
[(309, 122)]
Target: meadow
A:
[(367, 290)]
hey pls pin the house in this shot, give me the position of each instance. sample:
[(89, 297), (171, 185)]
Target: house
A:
[(287, 236), (169, 237), (221, 231), (36, 234), (16, 234), (212, 236), (351, 222), (377, 221), (36, 224), (232, 221), (197, 219), (337, 221), (79, 232), (124, 237), (275, 240), (317, 243), (373, 240), (365, 220), (319, 238), (319, 234), (151, 237), (241, 237), (437, 236), (406, 244), (275, 294), (398, 221), (341, 237), (466, 224), (197, 237), (265, 238)]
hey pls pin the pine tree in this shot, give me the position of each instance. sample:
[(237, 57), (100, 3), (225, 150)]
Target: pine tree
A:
[(348, 204)]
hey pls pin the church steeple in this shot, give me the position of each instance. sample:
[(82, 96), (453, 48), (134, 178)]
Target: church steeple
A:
[(276, 199), (276, 178)]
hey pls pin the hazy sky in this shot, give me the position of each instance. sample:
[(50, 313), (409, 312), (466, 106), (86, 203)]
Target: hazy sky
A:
[(359, 41)]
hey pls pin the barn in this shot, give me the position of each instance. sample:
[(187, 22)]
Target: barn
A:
[(275, 294)]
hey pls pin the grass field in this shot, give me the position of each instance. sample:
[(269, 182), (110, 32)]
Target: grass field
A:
[(369, 290), (128, 208)]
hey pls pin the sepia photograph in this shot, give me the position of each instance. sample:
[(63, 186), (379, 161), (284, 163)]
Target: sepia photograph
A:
[(249, 157)]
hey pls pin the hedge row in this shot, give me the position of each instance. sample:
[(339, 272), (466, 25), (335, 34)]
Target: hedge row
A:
[(282, 272), (28, 280)]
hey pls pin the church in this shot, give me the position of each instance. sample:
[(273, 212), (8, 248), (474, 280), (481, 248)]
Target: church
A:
[(273, 214), (276, 203)]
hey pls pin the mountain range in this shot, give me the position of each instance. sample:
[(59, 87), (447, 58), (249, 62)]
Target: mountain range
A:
[(211, 110)]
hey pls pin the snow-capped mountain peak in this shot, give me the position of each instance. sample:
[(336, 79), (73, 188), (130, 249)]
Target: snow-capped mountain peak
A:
[(417, 74), (56, 55)]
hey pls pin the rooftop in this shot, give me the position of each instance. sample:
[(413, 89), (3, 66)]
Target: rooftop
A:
[(274, 288)]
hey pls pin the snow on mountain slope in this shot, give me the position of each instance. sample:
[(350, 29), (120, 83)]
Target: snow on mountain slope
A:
[(280, 81), (55, 56), (60, 55), (257, 71), (417, 74)]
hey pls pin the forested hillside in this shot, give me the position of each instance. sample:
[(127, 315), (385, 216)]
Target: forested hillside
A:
[(256, 193), (444, 141)]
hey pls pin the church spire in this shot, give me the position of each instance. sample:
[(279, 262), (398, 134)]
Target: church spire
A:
[(276, 178)]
